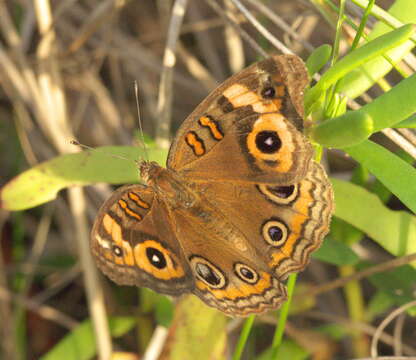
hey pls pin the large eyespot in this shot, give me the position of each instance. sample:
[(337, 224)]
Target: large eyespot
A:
[(279, 194), (246, 273), (268, 142), (117, 251), (156, 258), (268, 92), (275, 232), (207, 272)]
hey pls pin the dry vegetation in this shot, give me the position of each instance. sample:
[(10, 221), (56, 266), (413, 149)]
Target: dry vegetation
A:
[(67, 70)]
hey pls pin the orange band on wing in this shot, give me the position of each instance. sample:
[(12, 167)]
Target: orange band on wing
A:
[(233, 292), (212, 126), (139, 202), (113, 228), (195, 143), (129, 211), (300, 207)]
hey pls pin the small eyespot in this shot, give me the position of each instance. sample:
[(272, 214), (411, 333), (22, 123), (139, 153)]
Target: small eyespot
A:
[(268, 142), (284, 192), (281, 195), (268, 92), (275, 232), (118, 251), (208, 273), (246, 273), (156, 257)]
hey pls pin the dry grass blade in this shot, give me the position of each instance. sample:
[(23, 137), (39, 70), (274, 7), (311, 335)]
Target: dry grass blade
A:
[(165, 89), (261, 29), (263, 9), (401, 141), (243, 34)]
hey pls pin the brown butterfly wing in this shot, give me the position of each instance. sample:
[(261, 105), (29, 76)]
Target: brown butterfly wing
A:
[(230, 274), (277, 228), (133, 242), (285, 223), (255, 120)]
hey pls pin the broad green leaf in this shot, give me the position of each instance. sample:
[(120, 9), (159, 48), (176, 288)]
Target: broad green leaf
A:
[(336, 253), (356, 58), (410, 123), (42, 182), (80, 343), (397, 175), (197, 331), (393, 230)]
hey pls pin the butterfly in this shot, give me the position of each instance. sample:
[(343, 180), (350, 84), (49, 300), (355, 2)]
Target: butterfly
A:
[(240, 205)]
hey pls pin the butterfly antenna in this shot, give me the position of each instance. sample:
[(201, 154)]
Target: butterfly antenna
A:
[(136, 92), (77, 143)]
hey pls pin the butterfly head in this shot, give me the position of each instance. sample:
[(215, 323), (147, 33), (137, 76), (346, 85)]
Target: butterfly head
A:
[(149, 171)]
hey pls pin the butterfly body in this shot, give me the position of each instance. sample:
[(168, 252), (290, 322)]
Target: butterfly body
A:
[(240, 205)]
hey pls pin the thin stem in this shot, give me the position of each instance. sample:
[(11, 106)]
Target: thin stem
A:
[(284, 312), (245, 332)]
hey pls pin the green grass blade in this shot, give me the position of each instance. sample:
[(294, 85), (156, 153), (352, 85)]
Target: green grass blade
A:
[(245, 332), (283, 314)]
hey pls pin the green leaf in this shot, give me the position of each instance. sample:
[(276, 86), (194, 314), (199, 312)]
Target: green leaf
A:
[(319, 57), (287, 350), (42, 182), (356, 58), (393, 230), (410, 123), (364, 77), (336, 253), (349, 129), (378, 304), (397, 175), (80, 343), (398, 284), (200, 331)]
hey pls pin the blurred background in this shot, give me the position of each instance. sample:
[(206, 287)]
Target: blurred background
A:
[(67, 71)]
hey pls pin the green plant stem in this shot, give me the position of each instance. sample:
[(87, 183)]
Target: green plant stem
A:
[(248, 324), (284, 312), (356, 309), (363, 22)]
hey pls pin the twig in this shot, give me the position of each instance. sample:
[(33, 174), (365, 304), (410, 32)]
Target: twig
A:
[(44, 311), (386, 266), (364, 327), (385, 322), (164, 106), (398, 332)]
